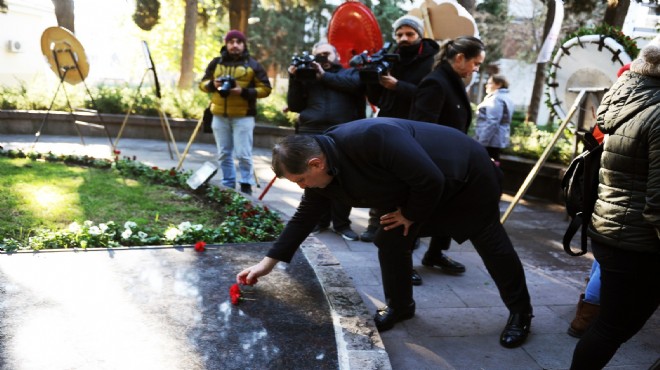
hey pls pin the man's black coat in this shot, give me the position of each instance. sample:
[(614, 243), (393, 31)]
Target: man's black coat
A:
[(441, 179)]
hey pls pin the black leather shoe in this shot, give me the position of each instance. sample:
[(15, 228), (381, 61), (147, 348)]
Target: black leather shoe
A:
[(516, 330), (447, 264), (368, 235), (246, 189), (387, 316), (416, 278)]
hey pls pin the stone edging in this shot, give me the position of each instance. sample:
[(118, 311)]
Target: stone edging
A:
[(359, 345)]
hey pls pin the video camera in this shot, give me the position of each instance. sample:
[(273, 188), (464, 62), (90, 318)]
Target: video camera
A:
[(305, 71), (371, 67), (226, 84)]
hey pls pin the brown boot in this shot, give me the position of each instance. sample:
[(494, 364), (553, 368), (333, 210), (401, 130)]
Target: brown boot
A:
[(584, 316)]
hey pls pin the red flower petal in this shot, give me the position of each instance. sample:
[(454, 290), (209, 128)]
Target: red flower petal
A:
[(235, 294), (200, 246)]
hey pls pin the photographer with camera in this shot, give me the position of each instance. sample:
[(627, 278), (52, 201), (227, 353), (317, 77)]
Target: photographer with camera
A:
[(325, 94), (235, 81), (394, 92), (394, 95)]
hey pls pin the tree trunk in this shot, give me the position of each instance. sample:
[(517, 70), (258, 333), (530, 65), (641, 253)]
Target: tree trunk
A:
[(616, 11), (539, 79), (64, 14), (239, 12), (188, 47)]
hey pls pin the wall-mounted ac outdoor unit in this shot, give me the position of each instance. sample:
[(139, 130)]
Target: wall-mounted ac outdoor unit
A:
[(15, 46)]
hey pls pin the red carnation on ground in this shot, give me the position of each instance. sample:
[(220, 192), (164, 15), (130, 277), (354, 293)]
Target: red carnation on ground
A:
[(200, 246)]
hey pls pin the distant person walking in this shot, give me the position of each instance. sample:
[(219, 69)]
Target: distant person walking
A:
[(493, 129)]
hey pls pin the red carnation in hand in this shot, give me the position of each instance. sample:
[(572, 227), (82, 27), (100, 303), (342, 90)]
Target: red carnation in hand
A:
[(235, 294), (200, 246)]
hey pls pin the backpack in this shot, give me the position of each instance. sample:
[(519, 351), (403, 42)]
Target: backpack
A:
[(580, 188)]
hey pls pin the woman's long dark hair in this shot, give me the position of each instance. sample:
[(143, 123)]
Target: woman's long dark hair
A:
[(469, 46)]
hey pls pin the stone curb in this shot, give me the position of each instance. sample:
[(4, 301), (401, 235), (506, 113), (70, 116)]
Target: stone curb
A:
[(359, 345)]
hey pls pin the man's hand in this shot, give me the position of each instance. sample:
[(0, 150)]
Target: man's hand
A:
[(250, 275), (395, 219), (319, 70), (388, 81)]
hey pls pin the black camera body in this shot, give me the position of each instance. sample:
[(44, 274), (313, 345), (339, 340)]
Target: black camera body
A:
[(226, 84), (371, 67), (305, 71)]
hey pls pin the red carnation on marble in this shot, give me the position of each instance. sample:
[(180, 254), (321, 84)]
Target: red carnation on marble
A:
[(200, 246)]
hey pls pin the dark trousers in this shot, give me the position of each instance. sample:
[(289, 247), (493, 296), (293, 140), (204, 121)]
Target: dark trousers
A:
[(493, 245), (436, 246), (629, 295), (339, 214)]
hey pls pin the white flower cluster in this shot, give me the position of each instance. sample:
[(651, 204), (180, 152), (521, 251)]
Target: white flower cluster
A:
[(174, 232)]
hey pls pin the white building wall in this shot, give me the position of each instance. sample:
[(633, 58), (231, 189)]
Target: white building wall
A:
[(23, 25), (104, 29)]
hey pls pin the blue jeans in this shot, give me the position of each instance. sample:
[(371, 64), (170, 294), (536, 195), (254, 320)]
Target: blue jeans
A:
[(233, 136), (592, 293)]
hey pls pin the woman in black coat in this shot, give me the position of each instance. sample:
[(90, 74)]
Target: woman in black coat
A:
[(441, 99)]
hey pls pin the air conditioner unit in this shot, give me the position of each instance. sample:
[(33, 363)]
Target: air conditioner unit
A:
[(15, 46)]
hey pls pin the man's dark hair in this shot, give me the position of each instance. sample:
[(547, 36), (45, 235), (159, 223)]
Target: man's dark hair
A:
[(291, 154), (469, 46)]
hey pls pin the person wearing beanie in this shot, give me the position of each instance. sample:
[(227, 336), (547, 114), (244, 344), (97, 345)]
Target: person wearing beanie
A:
[(625, 223), (394, 96), (235, 81)]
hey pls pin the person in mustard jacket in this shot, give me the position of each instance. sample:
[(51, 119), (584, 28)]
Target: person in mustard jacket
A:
[(235, 82)]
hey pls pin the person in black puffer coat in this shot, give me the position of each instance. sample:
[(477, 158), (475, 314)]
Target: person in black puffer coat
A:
[(625, 225)]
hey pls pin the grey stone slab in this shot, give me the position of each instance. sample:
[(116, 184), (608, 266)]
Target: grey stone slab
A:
[(363, 275), (458, 322), (456, 353), (438, 296), (164, 308)]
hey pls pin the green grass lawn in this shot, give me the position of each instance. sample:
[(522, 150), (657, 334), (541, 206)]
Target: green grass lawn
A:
[(52, 195)]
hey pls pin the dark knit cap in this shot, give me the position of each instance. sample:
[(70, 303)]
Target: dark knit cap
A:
[(235, 34)]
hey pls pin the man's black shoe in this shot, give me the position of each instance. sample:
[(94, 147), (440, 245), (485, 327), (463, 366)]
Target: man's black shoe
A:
[(246, 189), (416, 278), (347, 233), (447, 264), (368, 235), (516, 330), (387, 316)]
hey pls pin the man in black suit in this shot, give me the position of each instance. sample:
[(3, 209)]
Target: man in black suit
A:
[(431, 180)]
